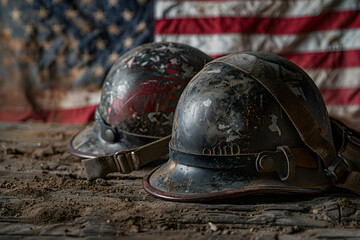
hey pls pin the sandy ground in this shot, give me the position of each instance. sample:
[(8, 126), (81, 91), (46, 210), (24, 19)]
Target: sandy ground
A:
[(44, 194)]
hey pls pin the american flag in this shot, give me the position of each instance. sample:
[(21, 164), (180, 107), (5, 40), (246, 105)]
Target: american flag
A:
[(54, 54), (321, 36)]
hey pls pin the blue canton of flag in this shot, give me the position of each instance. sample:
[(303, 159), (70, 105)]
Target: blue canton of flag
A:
[(56, 53)]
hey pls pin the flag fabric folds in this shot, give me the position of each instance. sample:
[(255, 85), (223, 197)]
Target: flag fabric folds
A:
[(321, 36), (54, 54)]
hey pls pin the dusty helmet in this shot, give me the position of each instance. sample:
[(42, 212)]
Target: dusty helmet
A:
[(139, 97), (231, 137)]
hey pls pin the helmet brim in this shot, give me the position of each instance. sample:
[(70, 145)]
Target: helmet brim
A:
[(177, 182), (87, 143)]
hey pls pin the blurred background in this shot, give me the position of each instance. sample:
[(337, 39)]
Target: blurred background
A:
[(54, 54)]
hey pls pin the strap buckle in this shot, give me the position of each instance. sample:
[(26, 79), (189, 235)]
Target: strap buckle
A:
[(126, 161), (338, 168), (282, 161)]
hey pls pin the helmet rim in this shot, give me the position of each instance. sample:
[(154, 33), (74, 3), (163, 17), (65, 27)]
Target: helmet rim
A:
[(314, 183)]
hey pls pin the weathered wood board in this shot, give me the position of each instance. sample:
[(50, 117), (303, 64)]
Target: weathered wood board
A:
[(44, 195)]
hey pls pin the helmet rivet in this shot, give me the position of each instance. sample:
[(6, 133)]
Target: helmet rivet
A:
[(109, 135)]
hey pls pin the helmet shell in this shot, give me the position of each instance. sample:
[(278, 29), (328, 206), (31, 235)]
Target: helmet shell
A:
[(139, 97), (223, 120)]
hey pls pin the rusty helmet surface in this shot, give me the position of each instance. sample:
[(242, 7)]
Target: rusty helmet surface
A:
[(138, 99), (231, 137)]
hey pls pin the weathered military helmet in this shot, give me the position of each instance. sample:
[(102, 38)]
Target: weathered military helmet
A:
[(139, 96), (238, 130)]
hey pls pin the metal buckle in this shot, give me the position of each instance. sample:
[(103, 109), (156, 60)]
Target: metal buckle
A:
[(282, 161), (126, 162), (337, 169)]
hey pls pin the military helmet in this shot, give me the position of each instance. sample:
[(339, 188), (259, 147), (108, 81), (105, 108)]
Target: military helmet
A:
[(231, 137), (138, 99)]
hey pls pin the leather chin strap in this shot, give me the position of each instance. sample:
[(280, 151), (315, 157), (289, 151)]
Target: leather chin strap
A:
[(342, 167), (126, 161), (345, 170)]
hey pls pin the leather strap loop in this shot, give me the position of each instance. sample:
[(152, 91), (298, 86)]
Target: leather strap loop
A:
[(125, 161), (282, 161), (351, 182), (345, 171)]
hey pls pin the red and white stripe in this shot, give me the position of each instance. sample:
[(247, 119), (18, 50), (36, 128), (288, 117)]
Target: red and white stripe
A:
[(60, 106), (321, 36)]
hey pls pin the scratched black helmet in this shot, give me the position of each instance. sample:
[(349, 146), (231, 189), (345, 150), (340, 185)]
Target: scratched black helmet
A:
[(139, 97), (231, 137)]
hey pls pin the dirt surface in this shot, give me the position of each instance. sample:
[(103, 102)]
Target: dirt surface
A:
[(44, 195)]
